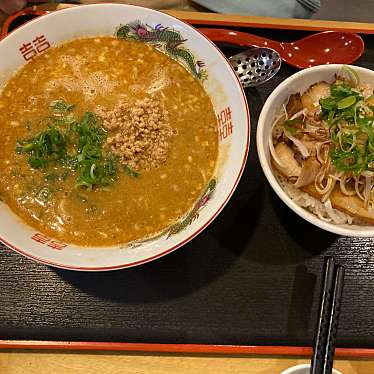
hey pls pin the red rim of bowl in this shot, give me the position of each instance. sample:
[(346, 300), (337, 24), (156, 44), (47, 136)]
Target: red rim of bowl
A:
[(25, 12), (216, 213)]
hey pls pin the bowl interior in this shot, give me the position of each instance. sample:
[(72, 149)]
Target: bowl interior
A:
[(222, 86), (300, 82)]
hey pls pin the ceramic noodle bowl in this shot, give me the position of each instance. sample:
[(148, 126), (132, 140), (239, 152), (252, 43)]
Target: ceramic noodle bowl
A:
[(202, 59), (299, 83)]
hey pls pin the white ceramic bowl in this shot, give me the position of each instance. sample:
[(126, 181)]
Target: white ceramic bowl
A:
[(221, 84), (300, 82), (303, 369)]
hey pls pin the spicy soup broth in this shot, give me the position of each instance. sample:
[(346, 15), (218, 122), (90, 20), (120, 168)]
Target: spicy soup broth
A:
[(93, 75)]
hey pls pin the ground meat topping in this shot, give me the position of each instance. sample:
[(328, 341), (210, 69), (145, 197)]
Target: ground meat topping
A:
[(140, 134)]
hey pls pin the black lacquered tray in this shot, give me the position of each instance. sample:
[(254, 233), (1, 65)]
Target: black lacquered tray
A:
[(250, 279)]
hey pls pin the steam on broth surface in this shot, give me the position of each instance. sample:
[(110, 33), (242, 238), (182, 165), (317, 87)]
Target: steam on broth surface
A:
[(104, 141)]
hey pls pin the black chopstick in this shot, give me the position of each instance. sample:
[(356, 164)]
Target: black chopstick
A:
[(320, 344), (334, 320)]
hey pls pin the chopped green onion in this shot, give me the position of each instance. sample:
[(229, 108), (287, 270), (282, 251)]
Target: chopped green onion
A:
[(61, 106), (328, 103), (43, 194), (48, 146), (352, 75), (293, 125), (92, 171), (78, 146), (346, 102), (129, 171)]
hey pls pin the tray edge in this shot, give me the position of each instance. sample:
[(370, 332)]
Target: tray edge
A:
[(180, 348), (199, 18)]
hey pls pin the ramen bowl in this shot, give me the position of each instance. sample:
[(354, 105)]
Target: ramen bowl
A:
[(299, 83), (221, 85), (303, 369)]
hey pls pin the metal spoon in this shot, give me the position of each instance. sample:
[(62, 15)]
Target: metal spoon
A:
[(256, 66)]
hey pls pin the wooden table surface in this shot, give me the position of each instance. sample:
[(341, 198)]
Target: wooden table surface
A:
[(57, 362), (37, 362)]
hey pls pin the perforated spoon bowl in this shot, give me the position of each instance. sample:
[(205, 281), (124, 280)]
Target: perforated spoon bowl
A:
[(256, 66)]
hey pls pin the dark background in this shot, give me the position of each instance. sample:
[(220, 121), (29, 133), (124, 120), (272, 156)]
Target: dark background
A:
[(252, 277)]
